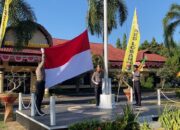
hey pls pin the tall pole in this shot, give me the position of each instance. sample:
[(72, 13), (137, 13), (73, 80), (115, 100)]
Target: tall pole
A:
[(105, 48), (106, 98)]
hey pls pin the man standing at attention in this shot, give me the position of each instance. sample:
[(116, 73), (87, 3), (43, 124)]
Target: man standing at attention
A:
[(97, 81), (136, 84), (40, 82)]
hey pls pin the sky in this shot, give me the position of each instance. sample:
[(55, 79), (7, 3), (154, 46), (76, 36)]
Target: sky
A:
[(66, 19)]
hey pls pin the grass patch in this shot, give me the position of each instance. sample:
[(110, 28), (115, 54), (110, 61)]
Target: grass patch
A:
[(169, 119), (2, 124), (169, 103)]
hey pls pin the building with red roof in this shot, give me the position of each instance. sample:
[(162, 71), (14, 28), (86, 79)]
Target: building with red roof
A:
[(116, 56), (26, 60)]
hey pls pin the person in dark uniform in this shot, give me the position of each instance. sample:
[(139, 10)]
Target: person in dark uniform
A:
[(40, 83), (97, 81), (137, 85)]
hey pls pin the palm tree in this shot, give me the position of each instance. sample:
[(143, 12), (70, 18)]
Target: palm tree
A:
[(22, 20), (170, 23), (116, 10)]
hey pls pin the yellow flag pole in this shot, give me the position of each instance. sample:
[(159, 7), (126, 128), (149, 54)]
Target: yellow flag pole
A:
[(133, 45), (4, 20)]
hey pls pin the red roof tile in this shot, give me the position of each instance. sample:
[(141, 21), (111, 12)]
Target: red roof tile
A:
[(114, 54), (155, 57), (150, 56), (140, 55), (57, 41)]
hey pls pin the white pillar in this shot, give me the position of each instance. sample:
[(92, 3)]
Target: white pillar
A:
[(107, 101), (52, 111), (20, 101), (159, 96), (32, 104), (1, 79), (46, 93), (109, 86), (103, 86), (131, 97)]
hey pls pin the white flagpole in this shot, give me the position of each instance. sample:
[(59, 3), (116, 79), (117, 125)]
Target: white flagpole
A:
[(106, 98), (105, 48)]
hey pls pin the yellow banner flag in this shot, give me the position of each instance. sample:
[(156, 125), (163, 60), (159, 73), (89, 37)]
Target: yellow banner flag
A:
[(132, 47), (4, 20)]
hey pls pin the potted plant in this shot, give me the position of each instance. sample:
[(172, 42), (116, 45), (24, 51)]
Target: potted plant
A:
[(121, 81), (8, 98), (127, 92)]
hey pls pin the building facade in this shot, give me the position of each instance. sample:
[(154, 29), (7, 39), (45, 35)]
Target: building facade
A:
[(19, 66), (23, 63)]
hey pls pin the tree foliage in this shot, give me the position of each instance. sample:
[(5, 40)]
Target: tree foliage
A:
[(21, 19), (170, 22), (117, 10), (171, 67), (154, 47), (144, 45), (124, 43), (118, 44)]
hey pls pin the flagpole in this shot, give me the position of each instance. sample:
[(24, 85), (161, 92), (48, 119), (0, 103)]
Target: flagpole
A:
[(107, 100), (105, 48)]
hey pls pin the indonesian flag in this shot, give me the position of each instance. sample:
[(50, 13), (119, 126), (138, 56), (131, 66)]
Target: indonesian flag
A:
[(68, 60)]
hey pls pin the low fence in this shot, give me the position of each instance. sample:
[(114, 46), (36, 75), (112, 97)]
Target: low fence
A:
[(159, 93), (33, 107)]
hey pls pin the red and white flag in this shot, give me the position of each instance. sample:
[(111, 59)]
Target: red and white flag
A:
[(68, 60)]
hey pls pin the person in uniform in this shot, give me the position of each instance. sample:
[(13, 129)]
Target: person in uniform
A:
[(137, 85), (97, 81)]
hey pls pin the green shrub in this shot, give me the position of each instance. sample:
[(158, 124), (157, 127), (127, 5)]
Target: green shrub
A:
[(170, 119), (145, 126), (168, 85), (128, 121), (148, 83), (85, 125), (108, 125)]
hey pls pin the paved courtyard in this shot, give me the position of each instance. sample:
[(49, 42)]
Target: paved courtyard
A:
[(72, 109)]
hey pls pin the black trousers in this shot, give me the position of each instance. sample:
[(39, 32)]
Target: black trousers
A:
[(40, 87), (98, 91), (137, 91)]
